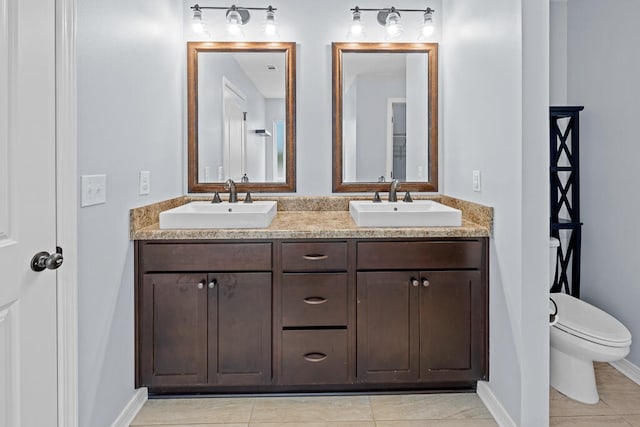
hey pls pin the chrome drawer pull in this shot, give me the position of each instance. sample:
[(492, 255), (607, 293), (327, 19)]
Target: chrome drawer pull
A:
[(315, 357), (315, 257), (315, 300), (415, 282), (425, 283)]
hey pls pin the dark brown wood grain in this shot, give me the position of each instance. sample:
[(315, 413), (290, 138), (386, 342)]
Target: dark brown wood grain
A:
[(416, 255), (251, 330), (314, 299), (314, 356), (314, 256), (206, 257)]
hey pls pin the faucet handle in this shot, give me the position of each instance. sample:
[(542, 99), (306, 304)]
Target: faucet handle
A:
[(376, 198), (248, 198), (407, 198), (216, 198)]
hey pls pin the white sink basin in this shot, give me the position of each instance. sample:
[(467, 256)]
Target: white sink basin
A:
[(420, 213), (219, 215)]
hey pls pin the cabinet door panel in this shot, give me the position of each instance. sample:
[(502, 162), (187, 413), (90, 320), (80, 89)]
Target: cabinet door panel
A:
[(240, 328), (387, 327), (173, 330), (448, 330)]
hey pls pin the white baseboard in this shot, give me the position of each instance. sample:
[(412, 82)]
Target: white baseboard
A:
[(500, 415), (130, 411), (627, 369)]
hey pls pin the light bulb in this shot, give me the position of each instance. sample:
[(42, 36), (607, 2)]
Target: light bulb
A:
[(197, 25), (234, 23), (356, 30), (270, 27), (393, 25), (427, 25)]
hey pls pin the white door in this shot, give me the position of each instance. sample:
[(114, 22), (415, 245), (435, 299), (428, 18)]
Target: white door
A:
[(233, 144), (28, 334)]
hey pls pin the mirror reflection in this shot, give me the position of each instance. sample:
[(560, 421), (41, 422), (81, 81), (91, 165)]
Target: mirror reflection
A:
[(241, 116), (386, 122)]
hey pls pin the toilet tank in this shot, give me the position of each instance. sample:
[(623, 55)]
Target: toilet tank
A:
[(553, 258)]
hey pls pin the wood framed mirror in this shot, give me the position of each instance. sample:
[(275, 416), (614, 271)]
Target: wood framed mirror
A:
[(241, 116), (385, 116)]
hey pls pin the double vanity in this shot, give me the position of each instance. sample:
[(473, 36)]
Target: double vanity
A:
[(312, 302), (311, 294)]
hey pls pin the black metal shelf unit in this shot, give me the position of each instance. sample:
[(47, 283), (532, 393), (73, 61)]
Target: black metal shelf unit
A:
[(565, 195)]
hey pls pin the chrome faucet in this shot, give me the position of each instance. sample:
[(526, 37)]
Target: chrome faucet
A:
[(393, 190), (233, 193)]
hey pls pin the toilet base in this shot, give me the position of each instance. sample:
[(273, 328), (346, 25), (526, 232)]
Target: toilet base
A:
[(573, 377)]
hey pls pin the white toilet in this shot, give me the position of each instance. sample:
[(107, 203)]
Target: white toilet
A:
[(582, 334)]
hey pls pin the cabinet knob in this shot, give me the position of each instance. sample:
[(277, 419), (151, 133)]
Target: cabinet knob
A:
[(201, 284), (415, 282), (425, 283), (213, 283)]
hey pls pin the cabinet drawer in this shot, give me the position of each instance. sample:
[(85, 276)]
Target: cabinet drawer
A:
[(205, 257), (314, 357), (420, 255), (314, 299), (314, 256)]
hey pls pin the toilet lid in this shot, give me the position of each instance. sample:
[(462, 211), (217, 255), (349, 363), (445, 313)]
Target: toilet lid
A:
[(586, 321)]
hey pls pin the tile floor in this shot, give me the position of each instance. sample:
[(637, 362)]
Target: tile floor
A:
[(619, 406)]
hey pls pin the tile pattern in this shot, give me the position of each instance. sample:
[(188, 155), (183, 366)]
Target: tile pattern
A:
[(449, 410), (619, 404), (311, 217)]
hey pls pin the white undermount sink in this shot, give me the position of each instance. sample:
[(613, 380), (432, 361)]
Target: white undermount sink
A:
[(419, 213), (219, 215)]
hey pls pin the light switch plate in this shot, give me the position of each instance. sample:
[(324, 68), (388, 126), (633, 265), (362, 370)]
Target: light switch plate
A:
[(94, 190), (145, 183), (476, 181)]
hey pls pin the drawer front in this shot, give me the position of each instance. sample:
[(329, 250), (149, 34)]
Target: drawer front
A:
[(314, 256), (420, 255), (314, 357), (206, 257), (314, 299)]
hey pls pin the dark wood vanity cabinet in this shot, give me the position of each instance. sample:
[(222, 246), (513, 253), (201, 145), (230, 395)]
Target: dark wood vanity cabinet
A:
[(317, 315), (422, 311), (203, 329)]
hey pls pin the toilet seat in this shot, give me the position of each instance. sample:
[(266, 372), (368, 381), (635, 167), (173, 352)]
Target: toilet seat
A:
[(583, 320)]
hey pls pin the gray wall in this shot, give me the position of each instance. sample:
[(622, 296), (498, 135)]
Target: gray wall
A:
[(373, 91), (130, 77), (495, 90), (603, 72), (212, 68)]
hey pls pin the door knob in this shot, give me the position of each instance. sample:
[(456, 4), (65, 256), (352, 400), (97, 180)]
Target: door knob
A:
[(425, 283), (43, 260), (415, 282)]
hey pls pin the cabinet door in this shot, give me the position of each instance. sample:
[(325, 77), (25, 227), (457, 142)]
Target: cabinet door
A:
[(451, 325), (240, 328), (173, 330), (387, 327)]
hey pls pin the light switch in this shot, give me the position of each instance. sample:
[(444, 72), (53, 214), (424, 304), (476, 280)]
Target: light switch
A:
[(94, 190), (145, 183), (476, 181)]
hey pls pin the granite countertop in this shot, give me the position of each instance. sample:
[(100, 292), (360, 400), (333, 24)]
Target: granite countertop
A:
[(311, 218)]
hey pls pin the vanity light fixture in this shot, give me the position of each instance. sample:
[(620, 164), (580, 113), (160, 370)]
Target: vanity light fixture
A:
[(390, 19), (236, 17), (356, 30), (427, 24)]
